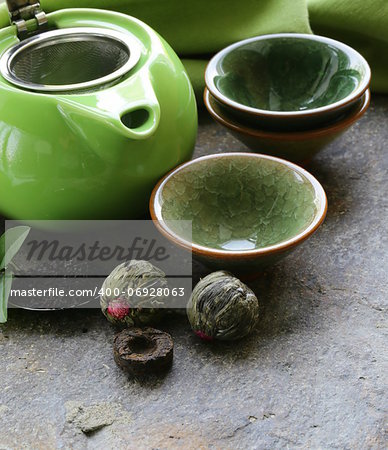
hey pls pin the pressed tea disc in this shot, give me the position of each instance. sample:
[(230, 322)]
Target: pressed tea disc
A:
[(143, 351)]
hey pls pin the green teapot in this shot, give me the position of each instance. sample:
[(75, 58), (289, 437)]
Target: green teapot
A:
[(95, 107)]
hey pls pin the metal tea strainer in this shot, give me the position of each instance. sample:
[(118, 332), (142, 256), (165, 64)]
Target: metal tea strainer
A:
[(65, 60)]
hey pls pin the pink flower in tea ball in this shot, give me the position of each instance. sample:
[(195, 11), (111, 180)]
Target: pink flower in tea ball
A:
[(203, 336), (118, 309)]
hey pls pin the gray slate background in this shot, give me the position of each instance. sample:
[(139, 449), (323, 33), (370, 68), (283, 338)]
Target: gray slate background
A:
[(313, 376)]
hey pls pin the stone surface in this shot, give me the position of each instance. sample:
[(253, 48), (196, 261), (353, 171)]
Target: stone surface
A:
[(312, 376)]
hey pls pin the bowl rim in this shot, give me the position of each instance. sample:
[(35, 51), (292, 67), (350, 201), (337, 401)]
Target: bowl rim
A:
[(237, 127), (320, 195), (211, 70)]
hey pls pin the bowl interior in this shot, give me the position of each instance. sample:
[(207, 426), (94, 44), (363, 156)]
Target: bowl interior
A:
[(287, 73), (237, 202)]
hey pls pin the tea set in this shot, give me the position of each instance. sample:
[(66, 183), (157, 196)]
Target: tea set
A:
[(96, 108)]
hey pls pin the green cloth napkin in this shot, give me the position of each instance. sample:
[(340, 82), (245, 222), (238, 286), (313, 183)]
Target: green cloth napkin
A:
[(362, 24), (199, 28), (202, 26)]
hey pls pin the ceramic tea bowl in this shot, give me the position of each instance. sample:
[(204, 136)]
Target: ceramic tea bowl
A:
[(238, 211), (287, 81), (297, 146)]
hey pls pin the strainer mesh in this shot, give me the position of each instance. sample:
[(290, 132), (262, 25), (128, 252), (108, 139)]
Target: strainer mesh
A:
[(70, 61)]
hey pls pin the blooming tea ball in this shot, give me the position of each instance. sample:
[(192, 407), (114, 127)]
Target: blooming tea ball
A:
[(134, 294), (222, 307)]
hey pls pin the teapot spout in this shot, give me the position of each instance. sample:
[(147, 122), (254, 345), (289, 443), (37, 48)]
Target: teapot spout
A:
[(140, 122), (129, 108)]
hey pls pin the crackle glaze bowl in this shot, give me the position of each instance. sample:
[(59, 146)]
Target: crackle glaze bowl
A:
[(95, 107), (238, 211), (287, 81), (297, 146)]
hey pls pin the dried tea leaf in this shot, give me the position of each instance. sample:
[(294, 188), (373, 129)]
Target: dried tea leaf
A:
[(5, 289), (10, 243)]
